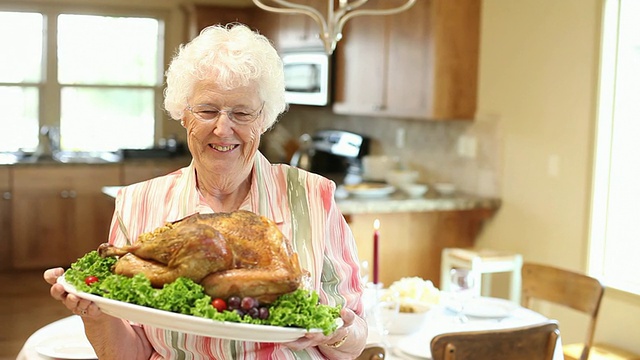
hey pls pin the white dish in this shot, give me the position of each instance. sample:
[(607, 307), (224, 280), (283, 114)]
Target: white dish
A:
[(445, 188), (370, 189), (66, 346), (415, 346), (488, 307), (414, 190), (190, 324)]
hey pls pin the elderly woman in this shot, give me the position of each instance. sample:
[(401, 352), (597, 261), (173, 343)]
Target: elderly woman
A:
[(227, 88)]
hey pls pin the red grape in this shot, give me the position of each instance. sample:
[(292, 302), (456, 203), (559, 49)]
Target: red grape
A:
[(248, 303), (254, 312), (263, 313), (233, 303)]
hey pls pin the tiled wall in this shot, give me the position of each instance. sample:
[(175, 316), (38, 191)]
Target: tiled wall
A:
[(431, 147)]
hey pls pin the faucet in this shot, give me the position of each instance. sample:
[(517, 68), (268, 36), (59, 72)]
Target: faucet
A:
[(52, 134), (48, 144)]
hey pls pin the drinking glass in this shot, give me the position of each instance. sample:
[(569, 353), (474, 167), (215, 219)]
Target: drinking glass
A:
[(463, 287), (385, 313)]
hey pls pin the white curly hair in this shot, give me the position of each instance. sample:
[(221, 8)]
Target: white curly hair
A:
[(234, 55)]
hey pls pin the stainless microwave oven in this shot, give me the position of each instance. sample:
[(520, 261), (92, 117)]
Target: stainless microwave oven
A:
[(306, 77)]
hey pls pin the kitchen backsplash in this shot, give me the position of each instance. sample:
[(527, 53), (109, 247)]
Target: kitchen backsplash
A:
[(465, 153)]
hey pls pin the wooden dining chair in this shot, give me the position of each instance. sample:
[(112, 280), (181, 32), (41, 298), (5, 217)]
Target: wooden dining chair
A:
[(533, 342), (567, 288), (372, 352)]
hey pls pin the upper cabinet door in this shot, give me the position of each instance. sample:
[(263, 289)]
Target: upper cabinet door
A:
[(360, 72), (297, 31), (421, 63)]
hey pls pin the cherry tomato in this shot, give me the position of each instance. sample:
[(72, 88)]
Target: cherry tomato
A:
[(219, 304), (90, 280)]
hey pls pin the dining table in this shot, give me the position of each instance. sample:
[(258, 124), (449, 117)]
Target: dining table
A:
[(65, 338), (481, 313)]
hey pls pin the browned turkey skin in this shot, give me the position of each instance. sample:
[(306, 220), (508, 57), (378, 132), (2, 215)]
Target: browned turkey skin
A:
[(229, 254)]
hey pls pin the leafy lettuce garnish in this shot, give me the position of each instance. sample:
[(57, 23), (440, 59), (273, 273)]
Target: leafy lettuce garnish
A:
[(300, 308)]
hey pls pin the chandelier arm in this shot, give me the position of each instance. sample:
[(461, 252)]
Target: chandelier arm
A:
[(299, 9), (345, 18), (345, 6), (294, 9), (331, 28)]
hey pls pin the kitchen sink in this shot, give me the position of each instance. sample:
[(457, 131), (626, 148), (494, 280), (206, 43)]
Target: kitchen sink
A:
[(86, 157), (79, 157)]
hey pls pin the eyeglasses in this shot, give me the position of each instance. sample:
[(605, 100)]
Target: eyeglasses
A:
[(208, 113)]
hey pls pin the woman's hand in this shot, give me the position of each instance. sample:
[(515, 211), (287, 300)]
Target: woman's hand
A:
[(350, 338), (78, 306), (111, 338)]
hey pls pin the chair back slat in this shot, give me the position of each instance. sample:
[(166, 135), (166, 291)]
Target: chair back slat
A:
[(534, 342)]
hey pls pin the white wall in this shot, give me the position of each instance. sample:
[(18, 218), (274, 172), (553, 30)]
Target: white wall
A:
[(538, 75)]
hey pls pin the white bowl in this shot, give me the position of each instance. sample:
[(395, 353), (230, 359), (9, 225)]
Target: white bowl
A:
[(445, 188), (414, 190), (401, 177), (408, 323)]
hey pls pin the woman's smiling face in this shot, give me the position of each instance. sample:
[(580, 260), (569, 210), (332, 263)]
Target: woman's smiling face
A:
[(220, 147)]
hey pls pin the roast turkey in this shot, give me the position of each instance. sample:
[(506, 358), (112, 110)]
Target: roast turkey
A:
[(229, 254)]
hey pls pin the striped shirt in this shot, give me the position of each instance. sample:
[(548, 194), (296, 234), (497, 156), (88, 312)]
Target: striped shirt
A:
[(301, 204)]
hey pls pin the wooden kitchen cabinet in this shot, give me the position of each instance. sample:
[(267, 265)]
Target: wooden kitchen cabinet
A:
[(5, 217), (421, 63), (59, 213), (411, 244), (295, 31), (200, 16), (134, 171)]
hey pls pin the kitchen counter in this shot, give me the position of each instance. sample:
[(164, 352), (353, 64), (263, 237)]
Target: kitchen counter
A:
[(398, 202), (7, 162)]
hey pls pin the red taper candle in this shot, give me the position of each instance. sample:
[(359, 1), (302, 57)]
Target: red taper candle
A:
[(376, 250)]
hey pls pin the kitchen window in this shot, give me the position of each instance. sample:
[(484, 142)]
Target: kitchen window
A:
[(615, 235), (95, 77)]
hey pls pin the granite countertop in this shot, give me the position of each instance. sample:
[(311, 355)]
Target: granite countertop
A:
[(396, 202)]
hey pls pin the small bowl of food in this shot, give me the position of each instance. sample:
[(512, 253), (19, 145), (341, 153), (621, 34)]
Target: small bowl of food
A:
[(416, 297), (410, 319), (414, 190)]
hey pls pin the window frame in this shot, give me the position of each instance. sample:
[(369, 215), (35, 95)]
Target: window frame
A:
[(606, 109), (50, 89)]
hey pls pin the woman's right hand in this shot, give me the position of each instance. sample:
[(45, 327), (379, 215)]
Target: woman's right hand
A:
[(77, 305)]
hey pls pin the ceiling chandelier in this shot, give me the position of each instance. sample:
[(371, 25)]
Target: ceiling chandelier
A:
[(331, 25)]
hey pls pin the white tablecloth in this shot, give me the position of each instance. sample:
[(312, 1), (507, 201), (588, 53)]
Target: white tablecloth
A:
[(67, 335), (441, 320)]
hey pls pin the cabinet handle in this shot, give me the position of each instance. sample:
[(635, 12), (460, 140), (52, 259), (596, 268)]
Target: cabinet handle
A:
[(6, 195), (66, 194)]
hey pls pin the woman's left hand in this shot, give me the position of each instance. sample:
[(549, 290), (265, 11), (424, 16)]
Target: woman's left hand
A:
[(317, 339)]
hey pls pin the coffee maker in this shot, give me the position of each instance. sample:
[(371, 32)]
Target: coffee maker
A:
[(335, 154)]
